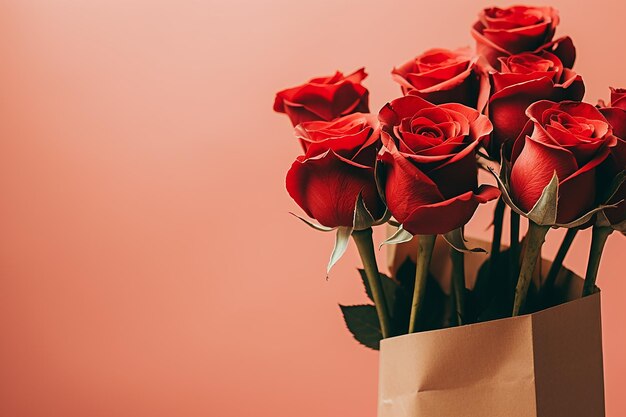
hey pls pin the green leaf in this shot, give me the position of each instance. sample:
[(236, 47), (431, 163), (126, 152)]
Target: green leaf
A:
[(544, 211), (400, 236), (341, 244), (389, 288), (457, 241), (362, 321), (313, 225)]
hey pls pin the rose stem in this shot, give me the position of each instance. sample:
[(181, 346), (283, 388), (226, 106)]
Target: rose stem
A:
[(514, 250), (534, 240), (598, 239), (365, 245), (458, 283), (498, 217), (425, 246), (556, 266)]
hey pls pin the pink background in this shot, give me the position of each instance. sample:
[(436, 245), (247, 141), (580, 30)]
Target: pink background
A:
[(148, 266)]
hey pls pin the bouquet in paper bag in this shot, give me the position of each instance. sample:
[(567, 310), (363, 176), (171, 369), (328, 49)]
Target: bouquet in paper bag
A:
[(467, 326)]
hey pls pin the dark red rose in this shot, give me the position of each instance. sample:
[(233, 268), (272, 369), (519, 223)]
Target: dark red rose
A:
[(338, 166), (569, 138), (616, 161), (522, 80), (324, 98), (512, 30), (429, 157), (441, 76), (618, 98)]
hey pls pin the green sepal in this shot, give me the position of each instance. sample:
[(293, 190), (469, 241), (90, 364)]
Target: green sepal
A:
[(400, 236), (380, 178), (504, 190), (315, 226), (544, 211), (586, 217), (341, 244), (457, 241), (362, 219)]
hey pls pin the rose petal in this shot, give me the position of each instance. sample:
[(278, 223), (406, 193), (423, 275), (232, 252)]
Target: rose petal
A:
[(533, 168), (445, 216), (326, 188), (393, 112), (406, 187)]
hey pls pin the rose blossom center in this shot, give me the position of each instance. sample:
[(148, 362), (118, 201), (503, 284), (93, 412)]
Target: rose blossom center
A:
[(429, 131), (578, 126), (437, 60), (529, 63), (513, 17)]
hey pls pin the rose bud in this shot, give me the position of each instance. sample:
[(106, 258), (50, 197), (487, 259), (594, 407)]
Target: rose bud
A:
[(522, 80), (567, 143), (324, 98), (615, 162), (441, 76), (618, 98), (507, 31), (429, 161), (337, 167)]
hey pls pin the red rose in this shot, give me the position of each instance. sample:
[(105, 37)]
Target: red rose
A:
[(429, 158), (324, 98), (502, 32), (337, 167), (616, 161), (441, 76), (522, 80), (618, 98), (569, 138)]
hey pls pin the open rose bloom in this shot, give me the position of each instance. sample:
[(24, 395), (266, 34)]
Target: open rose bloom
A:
[(522, 80), (570, 140), (324, 98), (615, 114), (468, 326), (337, 167), (429, 156), (512, 30), (441, 76)]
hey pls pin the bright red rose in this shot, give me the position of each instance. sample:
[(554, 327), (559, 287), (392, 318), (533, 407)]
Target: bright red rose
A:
[(616, 162), (522, 80), (324, 98), (569, 138), (429, 157), (441, 76), (512, 30), (338, 166)]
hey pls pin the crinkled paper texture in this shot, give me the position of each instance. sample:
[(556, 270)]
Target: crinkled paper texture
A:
[(545, 364)]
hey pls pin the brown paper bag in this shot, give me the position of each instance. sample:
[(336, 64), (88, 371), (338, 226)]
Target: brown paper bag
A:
[(545, 364)]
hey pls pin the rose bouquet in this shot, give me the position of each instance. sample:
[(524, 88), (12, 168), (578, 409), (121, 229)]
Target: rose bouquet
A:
[(513, 108)]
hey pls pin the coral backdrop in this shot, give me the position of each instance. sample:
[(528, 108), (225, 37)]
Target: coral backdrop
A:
[(148, 266)]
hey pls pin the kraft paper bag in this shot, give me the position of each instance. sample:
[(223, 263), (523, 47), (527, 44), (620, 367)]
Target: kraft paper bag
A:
[(544, 364)]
